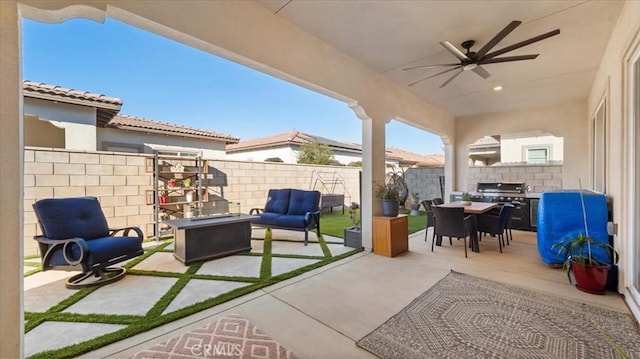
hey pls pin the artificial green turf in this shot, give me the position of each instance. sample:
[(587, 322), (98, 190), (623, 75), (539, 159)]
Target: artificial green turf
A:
[(135, 324), (334, 223)]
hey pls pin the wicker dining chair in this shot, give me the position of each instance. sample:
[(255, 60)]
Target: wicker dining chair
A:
[(452, 222)]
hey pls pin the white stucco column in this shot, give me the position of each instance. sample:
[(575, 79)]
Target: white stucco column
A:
[(449, 167), (11, 157), (373, 170)]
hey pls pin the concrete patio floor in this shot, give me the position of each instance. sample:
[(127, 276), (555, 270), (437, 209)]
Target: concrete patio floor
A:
[(319, 314)]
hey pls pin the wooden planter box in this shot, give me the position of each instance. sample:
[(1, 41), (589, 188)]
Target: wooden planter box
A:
[(390, 235), (353, 237)]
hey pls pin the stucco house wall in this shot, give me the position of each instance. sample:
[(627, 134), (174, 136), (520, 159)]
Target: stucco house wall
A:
[(289, 154), (514, 148), (285, 153), (109, 137), (567, 120), (78, 122), (42, 133)]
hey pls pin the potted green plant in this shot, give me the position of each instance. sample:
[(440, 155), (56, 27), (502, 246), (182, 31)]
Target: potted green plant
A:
[(466, 198), (388, 194), (589, 273)]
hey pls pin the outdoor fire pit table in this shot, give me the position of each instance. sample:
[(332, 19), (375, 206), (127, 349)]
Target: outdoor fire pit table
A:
[(204, 238)]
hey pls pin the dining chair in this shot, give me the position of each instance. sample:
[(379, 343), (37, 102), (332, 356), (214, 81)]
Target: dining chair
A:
[(452, 222), (427, 207), (496, 225), (437, 201)]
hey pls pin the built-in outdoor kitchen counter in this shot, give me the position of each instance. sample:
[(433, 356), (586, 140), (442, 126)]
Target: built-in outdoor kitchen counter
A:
[(525, 212)]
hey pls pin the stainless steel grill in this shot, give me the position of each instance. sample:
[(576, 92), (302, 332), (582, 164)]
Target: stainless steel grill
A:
[(507, 192)]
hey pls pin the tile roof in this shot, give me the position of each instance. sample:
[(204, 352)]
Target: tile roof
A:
[(414, 159), (289, 138), (106, 106), (486, 141), (34, 88), (132, 123)]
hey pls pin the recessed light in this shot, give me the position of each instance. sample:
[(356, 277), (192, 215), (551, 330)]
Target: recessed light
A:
[(497, 88)]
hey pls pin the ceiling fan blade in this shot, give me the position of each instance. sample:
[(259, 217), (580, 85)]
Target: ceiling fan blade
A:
[(481, 72), (452, 77), (507, 59), (428, 66), (522, 43), (496, 39), (434, 75), (454, 50)]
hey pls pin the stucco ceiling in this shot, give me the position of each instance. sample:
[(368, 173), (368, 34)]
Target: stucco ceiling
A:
[(391, 35)]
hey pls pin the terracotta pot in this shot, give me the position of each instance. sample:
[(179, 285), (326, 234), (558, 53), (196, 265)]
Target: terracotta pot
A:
[(590, 278)]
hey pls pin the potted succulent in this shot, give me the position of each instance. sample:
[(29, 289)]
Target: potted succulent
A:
[(579, 252), (389, 194)]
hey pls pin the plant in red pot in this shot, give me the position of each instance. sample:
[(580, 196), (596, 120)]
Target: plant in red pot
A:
[(579, 251)]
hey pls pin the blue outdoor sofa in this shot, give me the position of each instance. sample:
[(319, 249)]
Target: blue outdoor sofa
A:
[(290, 209)]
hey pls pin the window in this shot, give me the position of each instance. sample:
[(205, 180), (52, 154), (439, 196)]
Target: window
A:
[(122, 147), (537, 155)]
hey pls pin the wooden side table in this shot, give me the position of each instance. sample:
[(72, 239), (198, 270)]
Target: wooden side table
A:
[(390, 235)]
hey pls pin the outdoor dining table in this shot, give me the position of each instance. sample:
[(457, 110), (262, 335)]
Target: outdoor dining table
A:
[(474, 208)]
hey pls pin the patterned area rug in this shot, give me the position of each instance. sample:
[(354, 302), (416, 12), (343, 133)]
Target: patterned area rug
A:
[(467, 317), (229, 337)]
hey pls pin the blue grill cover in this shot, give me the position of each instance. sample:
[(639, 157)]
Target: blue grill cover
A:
[(560, 217)]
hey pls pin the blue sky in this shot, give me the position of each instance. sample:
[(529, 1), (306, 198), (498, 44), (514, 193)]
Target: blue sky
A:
[(162, 80)]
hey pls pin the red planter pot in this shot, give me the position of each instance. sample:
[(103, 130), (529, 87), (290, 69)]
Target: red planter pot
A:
[(590, 278)]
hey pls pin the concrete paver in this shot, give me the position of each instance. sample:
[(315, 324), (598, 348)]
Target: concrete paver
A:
[(198, 290), (233, 266), (54, 335), (322, 313), (285, 265), (134, 294), (162, 261)]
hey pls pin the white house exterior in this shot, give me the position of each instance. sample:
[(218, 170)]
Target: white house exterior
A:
[(531, 150), (516, 149), (286, 146), (59, 117)]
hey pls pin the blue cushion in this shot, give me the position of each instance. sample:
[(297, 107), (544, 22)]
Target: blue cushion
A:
[(302, 202), (291, 221), (101, 250), (107, 248), (277, 201), (71, 217), (266, 218)]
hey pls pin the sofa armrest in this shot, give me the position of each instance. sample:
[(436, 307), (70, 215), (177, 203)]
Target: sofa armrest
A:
[(66, 244), (125, 231), (256, 211), (312, 219)]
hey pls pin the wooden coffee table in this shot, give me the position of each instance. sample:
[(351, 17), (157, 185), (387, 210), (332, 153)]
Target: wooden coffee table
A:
[(200, 239)]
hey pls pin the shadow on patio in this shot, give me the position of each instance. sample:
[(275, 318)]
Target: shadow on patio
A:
[(318, 314)]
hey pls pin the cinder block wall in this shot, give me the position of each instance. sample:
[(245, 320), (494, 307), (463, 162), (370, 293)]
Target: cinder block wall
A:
[(540, 178), (249, 182), (425, 181), (121, 182), (118, 180)]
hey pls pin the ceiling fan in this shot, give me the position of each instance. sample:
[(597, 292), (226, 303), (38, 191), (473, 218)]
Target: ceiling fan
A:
[(472, 61)]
